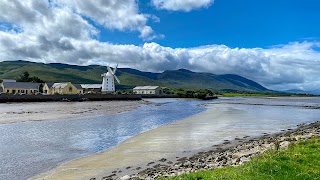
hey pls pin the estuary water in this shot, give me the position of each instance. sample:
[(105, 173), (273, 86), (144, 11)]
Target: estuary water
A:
[(32, 147), (29, 148)]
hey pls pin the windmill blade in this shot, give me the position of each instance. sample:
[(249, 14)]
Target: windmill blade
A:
[(115, 69), (109, 70), (116, 79)]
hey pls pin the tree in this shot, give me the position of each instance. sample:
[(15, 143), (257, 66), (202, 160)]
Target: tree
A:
[(25, 77)]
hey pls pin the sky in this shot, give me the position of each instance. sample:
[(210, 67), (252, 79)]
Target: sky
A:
[(273, 42)]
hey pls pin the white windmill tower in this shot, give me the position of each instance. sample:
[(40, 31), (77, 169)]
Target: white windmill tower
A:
[(108, 80)]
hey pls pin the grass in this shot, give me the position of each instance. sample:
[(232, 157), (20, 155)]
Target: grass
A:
[(300, 161)]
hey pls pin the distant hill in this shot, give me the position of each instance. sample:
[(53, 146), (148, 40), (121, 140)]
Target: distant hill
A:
[(182, 78), (298, 91)]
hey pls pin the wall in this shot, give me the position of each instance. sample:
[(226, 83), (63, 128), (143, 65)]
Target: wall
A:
[(66, 89), (47, 90), (19, 90), (147, 91)]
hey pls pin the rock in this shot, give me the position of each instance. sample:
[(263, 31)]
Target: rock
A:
[(126, 177)]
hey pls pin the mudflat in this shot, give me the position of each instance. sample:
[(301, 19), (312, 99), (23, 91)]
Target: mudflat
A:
[(19, 112)]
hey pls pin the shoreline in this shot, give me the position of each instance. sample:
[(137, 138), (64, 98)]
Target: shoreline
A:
[(153, 151), (229, 153), (42, 111)]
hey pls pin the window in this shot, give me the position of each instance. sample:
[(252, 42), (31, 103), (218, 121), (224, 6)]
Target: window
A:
[(8, 91), (70, 89), (18, 91)]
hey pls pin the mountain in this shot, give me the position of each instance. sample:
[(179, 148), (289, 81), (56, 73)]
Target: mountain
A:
[(182, 78), (298, 91)]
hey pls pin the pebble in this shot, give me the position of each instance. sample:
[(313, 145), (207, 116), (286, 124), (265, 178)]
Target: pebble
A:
[(222, 156)]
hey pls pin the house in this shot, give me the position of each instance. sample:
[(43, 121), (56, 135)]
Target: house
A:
[(79, 88), (62, 88), (91, 88), (147, 90), (47, 88), (13, 87)]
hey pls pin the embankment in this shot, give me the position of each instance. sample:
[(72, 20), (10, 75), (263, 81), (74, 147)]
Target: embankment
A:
[(76, 97)]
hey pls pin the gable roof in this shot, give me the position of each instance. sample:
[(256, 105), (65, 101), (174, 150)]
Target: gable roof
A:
[(145, 87), (22, 85), (49, 85), (59, 85), (78, 86), (63, 85)]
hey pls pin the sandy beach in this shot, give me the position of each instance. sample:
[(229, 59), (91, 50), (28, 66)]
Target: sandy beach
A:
[(19, 112), (163, 146)]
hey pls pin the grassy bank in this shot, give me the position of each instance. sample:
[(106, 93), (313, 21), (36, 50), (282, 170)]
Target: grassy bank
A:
[(299, 161)]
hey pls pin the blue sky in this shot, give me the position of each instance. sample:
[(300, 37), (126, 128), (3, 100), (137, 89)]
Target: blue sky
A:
[(273, 42), (235, 23)]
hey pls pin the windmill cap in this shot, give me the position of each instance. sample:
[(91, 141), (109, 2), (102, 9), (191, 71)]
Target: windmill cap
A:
[(107, 74)]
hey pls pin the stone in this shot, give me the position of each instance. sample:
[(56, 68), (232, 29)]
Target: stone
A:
[(126, 177)]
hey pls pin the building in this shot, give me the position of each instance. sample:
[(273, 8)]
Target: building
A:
[(91, 88), (62, 88), (79, 88), (12, 87), (147, 90)]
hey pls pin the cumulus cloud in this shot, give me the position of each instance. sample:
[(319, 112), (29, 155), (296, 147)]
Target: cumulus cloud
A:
[(113, 14), (43, 31), (181, 5)]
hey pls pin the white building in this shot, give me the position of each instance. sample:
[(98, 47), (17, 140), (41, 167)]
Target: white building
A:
[(108, 80), (91, 88), (147, 90)]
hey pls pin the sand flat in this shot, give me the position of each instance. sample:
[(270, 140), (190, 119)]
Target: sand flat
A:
[(19, 112), (176, 139)]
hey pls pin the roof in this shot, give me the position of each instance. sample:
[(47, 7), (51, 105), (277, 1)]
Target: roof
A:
[(91, 86), (9, 80), (59, 85), (49, 85), (145, 87), (78, 86), (22, 85), (62, 85)]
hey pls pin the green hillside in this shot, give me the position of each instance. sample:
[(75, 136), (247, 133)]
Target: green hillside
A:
[(56, 72)]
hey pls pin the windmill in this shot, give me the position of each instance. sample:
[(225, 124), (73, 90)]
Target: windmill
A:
[(108, 80)]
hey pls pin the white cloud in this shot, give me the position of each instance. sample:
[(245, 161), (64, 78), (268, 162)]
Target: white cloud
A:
[(113, 14), (42, 32), (181, 5)]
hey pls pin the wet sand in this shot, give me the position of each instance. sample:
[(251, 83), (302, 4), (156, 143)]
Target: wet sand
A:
[(173, 141), (19, 112), (221, 123)]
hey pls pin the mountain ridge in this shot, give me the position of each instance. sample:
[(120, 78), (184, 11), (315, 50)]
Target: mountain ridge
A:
[(181, 78)]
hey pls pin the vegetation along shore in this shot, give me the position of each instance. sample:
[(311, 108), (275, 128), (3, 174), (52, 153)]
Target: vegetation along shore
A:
[(302, 143)]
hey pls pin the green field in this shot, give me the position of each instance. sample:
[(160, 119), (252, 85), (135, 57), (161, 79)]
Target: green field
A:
[(173, 79), (300, 161)]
